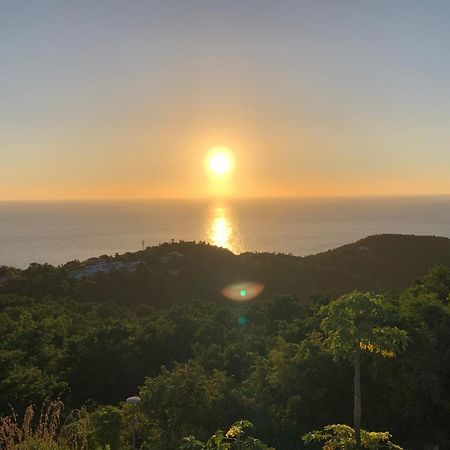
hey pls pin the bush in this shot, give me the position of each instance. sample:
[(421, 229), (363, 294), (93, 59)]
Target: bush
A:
[(342, 437), (233, 439)]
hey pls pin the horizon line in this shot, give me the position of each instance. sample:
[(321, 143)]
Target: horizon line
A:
[(231, 198)]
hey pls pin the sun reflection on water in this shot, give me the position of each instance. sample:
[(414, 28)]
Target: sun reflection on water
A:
[(222, 230)]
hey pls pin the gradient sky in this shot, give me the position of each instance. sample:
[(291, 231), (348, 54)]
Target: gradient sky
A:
[(122, 99)]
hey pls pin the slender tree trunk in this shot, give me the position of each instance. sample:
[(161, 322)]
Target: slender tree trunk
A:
[(357, 398)]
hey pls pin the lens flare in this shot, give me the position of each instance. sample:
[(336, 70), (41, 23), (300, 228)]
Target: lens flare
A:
[(243, 291), (242, 320)]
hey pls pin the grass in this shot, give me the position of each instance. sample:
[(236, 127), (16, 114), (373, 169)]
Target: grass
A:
[(46, 431)]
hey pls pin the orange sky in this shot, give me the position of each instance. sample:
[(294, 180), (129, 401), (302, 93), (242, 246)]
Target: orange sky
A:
[(330, 100)]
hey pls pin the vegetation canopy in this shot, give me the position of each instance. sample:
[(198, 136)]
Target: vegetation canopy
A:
[(342, 437), (287, 364)]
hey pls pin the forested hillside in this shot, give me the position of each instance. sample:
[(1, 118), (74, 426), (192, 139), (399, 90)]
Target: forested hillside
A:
[(169, 273), (200, 361)]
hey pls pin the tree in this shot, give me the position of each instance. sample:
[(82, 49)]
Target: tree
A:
[(186, 399), (106, 427), (358, 322), (291, 391)]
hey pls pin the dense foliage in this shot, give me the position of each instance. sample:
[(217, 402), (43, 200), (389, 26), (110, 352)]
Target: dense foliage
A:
[(202, 365), (342, 437), (359, 322), (235, 438)]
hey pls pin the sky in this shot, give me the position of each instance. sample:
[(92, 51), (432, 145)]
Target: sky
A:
[(123, 99)]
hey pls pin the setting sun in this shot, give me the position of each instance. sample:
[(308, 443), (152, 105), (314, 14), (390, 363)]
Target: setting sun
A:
[(219, 161)]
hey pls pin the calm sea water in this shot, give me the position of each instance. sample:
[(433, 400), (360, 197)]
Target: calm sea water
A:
[(56, 232)]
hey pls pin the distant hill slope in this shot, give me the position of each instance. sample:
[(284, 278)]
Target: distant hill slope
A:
[(376, 263), (178, 271), (387, 261)]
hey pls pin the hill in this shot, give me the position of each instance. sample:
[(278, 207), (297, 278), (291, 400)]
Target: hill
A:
[(97, 331), (179, 271), (375, 263)]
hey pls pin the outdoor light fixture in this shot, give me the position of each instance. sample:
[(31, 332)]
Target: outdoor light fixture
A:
[(133, 401)]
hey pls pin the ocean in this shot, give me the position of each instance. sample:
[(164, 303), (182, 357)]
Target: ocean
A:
[(57, 232)]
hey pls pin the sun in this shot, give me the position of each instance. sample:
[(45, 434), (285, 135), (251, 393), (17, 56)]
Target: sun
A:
[(219, 161)]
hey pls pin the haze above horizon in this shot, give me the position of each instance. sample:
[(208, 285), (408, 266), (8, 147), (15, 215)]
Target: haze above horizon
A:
[(105, 100)]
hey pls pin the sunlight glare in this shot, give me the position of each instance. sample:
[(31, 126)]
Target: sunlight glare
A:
[(221, 229), (219, 161)]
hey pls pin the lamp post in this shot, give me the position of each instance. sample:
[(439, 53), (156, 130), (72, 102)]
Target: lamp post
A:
[(133, 401)]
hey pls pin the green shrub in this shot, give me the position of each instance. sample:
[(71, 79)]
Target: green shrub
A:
[(342, 437), (234, 439)]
